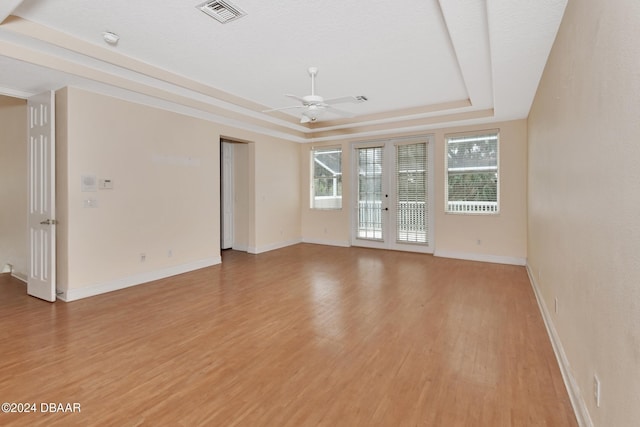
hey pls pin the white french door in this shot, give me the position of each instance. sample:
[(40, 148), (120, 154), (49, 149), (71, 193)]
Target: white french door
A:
[(41, 221), (392, 187)]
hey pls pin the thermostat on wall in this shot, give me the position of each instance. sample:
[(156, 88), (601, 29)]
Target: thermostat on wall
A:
[(106, 184)]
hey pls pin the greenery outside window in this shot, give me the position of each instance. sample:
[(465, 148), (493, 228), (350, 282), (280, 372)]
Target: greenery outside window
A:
[(472, 185), (326, 178)]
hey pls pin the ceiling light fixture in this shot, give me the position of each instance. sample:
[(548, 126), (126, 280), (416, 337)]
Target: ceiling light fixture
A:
[(311, 114), (110, 38)]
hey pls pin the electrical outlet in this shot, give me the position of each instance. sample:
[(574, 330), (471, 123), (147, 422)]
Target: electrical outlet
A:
[(169, 253), (479, 242), (555, 305), (596, 390), (143, 257)]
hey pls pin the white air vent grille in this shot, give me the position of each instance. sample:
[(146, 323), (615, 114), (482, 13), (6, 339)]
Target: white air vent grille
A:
[(222, 11)]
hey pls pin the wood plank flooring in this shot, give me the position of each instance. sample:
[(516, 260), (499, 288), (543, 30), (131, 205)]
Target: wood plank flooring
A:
[(302, 336)]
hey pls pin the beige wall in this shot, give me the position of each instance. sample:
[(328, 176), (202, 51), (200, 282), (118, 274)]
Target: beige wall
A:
[(165, 200), (584, 202), (13, 185), (325, 226), (277, 194), (503, 237), (268, 188), (165, 169)]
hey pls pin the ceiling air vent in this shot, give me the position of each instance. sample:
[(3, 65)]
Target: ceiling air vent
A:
[(222, 11)]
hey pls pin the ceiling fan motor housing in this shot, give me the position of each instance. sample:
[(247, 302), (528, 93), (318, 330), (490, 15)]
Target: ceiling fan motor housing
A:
[(313, 99)]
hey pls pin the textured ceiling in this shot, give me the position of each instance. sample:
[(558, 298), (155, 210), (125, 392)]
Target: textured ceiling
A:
[(421, 63)]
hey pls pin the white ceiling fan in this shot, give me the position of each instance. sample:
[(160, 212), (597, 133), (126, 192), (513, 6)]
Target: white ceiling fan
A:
[(314, 105)]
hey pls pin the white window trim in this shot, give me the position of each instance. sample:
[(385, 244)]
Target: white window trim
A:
[(466, 204), (312, 196)]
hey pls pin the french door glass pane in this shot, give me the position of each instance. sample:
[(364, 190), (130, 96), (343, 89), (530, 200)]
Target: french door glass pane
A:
[(411, 193), (370, 193)]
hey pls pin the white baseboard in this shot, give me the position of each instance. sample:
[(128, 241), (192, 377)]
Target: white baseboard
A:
[(241, 248), (341, 243), (19, 276), (575, 395), (16, 276), (273, 246), (8, 268), (497, 259), (126, 282)]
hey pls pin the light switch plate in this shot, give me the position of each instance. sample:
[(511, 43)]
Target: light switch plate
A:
[(90, 203)]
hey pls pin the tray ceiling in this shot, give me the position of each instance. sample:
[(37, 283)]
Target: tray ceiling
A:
[(422, 64)]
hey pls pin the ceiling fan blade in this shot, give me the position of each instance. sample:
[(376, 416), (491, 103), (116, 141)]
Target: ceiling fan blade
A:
[(346, 99), (314, 105), (296, 97), (339, 112), (283, 108)]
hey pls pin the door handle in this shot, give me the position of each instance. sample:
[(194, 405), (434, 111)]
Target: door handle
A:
[(49, 222)]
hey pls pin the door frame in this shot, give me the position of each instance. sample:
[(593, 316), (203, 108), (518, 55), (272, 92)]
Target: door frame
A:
[(388, 187), (354, 208)]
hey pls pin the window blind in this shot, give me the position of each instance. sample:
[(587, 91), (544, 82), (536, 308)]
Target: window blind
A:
[(411, 193), (370, 193), (472, 173)]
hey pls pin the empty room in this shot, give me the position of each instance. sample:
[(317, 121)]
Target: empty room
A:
[(295, 213)]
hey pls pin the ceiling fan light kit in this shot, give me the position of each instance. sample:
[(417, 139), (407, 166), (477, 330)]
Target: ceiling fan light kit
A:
[(311, 114), (315, 105)]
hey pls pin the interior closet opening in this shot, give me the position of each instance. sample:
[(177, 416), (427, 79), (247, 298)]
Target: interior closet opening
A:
[(234, 195)]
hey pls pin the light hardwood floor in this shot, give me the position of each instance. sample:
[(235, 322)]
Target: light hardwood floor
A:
[(302, 336)]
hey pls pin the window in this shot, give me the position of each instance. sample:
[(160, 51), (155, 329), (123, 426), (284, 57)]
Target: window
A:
[(326, 179), (472, 173), (370, 190), (411, 193)]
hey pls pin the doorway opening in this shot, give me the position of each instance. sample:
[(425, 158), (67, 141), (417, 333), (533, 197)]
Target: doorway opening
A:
[(13, 187), (234, 195)]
